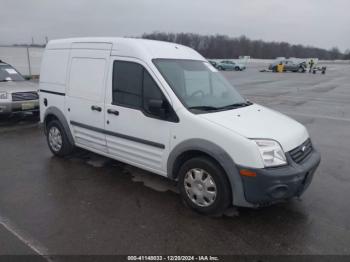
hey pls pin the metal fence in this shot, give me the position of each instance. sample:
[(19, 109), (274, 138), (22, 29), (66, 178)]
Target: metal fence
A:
[(26, 60)]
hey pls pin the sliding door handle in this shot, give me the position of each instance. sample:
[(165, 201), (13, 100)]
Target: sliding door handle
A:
[(96, 108), (113, 112)]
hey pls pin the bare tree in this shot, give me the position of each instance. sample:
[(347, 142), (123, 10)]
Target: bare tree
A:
[(222, 46)]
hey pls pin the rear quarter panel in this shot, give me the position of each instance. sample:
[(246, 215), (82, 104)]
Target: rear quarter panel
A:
[(53, 78)]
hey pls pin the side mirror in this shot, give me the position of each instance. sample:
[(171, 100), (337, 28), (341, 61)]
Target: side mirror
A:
[(158, 107)]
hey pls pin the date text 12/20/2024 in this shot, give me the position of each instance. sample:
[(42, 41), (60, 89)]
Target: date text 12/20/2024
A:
[(173, 258)]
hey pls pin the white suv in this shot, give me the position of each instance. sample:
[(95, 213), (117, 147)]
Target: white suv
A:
[(162, 107)]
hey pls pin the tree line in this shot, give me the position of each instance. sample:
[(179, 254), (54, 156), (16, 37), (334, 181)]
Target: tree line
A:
[(223, 46)]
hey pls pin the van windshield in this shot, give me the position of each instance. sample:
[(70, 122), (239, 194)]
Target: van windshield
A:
[(199, 86)]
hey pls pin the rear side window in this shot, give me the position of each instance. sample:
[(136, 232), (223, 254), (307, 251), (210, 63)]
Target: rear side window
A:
[(133, 86)]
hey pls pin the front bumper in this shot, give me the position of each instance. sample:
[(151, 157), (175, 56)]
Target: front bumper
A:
[(11, 107), (271, 185)]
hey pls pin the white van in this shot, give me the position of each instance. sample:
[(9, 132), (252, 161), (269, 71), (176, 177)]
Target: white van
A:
[(163, 108)]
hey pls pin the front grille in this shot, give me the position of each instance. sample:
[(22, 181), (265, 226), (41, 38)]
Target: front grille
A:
[(23, 96), (301, 152)]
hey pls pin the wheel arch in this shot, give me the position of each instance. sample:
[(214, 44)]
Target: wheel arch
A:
[(54, 113), (200, 147), (189, 154)]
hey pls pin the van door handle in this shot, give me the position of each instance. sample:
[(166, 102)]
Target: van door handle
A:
[(114, 112), (96, 108)]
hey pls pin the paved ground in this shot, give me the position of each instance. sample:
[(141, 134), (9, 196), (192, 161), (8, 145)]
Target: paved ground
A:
[(90, 205)]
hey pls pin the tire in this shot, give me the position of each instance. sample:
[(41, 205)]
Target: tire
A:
[(221, 68), (301, 70), (237, 68), (212, 197), (57, 139)]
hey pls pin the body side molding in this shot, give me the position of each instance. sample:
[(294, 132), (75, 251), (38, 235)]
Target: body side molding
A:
[(52, 92), (110, 133)]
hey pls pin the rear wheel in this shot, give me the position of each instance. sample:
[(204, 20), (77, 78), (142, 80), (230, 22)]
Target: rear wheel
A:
[(57, 139), (204, 186)]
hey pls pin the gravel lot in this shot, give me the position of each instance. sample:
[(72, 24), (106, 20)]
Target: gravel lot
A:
[(87, 204)]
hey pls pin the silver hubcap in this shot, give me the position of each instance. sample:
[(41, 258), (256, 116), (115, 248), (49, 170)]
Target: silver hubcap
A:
[(55, 139), (200, 187)]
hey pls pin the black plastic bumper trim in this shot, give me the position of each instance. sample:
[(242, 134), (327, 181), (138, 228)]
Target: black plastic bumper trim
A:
[(52, 92), (271, 185)]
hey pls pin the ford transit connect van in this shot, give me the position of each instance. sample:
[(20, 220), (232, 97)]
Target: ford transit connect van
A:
[(163, 108)]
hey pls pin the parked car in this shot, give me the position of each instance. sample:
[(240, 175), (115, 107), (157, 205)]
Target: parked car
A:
[(289, 66), (230, 65), (161, 107), (17, 95)]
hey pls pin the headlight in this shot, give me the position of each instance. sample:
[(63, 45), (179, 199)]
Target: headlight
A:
[(3, 95), (271, 153)]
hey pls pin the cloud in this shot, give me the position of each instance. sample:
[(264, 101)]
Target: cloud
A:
[(320, 23)]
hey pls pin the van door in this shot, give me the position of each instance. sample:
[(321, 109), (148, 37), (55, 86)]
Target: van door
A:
[(133, 134), (85, 97)]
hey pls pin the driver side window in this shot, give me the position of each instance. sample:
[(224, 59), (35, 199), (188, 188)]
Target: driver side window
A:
[(134, 87), (150, 91)]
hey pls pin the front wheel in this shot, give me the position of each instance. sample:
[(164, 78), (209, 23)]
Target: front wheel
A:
[(204, 186), (57, 139), (237, 68)]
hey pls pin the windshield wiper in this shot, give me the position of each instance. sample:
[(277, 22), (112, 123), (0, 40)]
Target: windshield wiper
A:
[(212, 108), (203, 108), (236, 105)]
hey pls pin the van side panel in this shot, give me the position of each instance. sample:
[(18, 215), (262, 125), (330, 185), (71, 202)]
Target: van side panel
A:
[(54, 68), (85, 107), (86, 79), (52, 84)]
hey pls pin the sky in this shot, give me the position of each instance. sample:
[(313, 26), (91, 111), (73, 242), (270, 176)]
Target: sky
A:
[(320, 23)]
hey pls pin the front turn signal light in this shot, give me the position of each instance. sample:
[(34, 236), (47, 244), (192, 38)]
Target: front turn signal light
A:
[(245, 172)]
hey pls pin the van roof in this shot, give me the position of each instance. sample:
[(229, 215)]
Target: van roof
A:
[(133, 47)]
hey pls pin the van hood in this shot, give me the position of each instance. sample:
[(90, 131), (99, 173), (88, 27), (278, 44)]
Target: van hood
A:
[(19, 86), (256, 121)]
